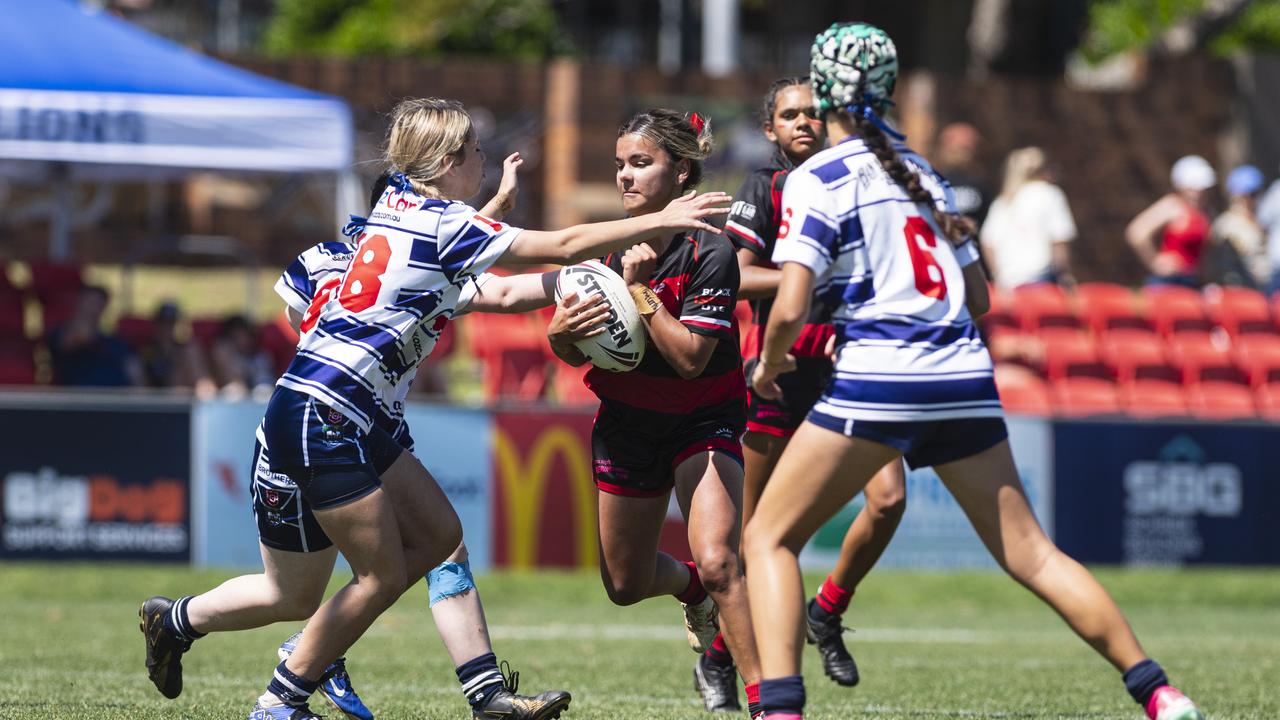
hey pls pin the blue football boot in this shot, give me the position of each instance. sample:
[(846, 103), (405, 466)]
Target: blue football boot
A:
[(335, 685)]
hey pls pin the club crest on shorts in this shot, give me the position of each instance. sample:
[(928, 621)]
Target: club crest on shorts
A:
[(271, 498)]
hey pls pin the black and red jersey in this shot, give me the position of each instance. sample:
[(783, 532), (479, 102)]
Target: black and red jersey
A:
[(753, 225), (696, 278)]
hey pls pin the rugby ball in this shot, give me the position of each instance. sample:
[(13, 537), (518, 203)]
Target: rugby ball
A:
[(621, 346)]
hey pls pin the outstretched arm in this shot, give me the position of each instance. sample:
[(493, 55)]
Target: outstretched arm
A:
[(581, 242), (515, 294)]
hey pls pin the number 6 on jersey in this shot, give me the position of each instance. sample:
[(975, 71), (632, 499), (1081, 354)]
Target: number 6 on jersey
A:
[(920, 240)]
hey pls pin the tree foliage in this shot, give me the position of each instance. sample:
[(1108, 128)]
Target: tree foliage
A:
[(526, 29), (1121, 25)]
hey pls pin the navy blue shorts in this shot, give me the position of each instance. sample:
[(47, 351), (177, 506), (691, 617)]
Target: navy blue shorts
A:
[(285, 519), (924, 443), (330, 458)]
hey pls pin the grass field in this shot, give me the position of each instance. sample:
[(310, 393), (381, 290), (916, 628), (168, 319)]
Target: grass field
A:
[(945, 646)]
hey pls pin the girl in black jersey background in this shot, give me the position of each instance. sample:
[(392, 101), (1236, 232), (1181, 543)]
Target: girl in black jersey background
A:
[(674, 422), (793, 126)]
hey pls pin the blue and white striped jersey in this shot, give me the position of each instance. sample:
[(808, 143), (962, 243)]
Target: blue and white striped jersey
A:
[(908, 348), (310, 280), (313, 268), (417, 261)]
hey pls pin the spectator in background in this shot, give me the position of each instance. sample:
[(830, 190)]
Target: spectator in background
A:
[(167, 362), (1239, 252), (1269, 217), (1169, 236), (957, 160), (239, 365), (85, 356), (1028, 233)]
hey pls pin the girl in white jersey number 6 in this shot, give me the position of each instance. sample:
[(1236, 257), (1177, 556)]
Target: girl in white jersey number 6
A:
[(421, 246), (864, 230)]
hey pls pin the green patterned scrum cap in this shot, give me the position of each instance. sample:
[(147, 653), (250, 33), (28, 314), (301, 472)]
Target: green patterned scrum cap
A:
[(852, 63)]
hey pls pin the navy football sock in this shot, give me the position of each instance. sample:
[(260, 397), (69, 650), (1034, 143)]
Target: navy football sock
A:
[(782, 696), (292, 689), (480, 678), (177, 623), (1143, 679)]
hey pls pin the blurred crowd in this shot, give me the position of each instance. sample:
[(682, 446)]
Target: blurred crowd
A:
[(1200, 233), (74, 347)]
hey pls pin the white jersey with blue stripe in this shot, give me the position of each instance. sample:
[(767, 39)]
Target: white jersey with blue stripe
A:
[(316, 270), (416, 263), (909, 351)]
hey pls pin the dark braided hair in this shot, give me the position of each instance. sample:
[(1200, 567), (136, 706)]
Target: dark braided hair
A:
[(674, 132), (956, 228), (771, 95)]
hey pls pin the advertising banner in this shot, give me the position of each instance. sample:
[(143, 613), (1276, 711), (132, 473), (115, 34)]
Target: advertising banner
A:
[(453, 443), (935, 532), (1168, 494), (544, 499), (95, 482), (222, 438)]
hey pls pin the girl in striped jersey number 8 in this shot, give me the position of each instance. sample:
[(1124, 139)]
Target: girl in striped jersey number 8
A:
[(866, 233), (422, 246)]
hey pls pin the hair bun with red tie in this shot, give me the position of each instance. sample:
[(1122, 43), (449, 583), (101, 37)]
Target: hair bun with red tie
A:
[(698, 122)]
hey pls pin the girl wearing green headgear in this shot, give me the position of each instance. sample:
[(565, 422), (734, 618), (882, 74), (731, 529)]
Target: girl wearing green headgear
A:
[(869, 229)]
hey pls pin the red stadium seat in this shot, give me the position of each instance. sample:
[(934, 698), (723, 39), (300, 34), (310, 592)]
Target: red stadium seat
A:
[(1131, 352), (55, 285), (1081, 396), (279, 340), (205, 331), (1067, 351), (1239, 310), (1145, 398), (136, 330), (1008, 344), (12, 308), (1022, 391), (50, 280), (1215, 400), (569, 388), (515, 354), (515, 374), (1105, 306), (17, 362), (1267, 398), (1173, 309), (1042, 305), (1259, 358), (1201, 357)]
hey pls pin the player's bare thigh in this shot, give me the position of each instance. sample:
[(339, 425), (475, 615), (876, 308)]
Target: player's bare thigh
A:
[(424, 515)]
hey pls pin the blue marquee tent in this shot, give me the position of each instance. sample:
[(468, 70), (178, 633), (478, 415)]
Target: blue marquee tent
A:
[(81, 86)]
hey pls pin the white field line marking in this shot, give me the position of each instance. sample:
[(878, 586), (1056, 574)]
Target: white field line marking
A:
[(669, 632)]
